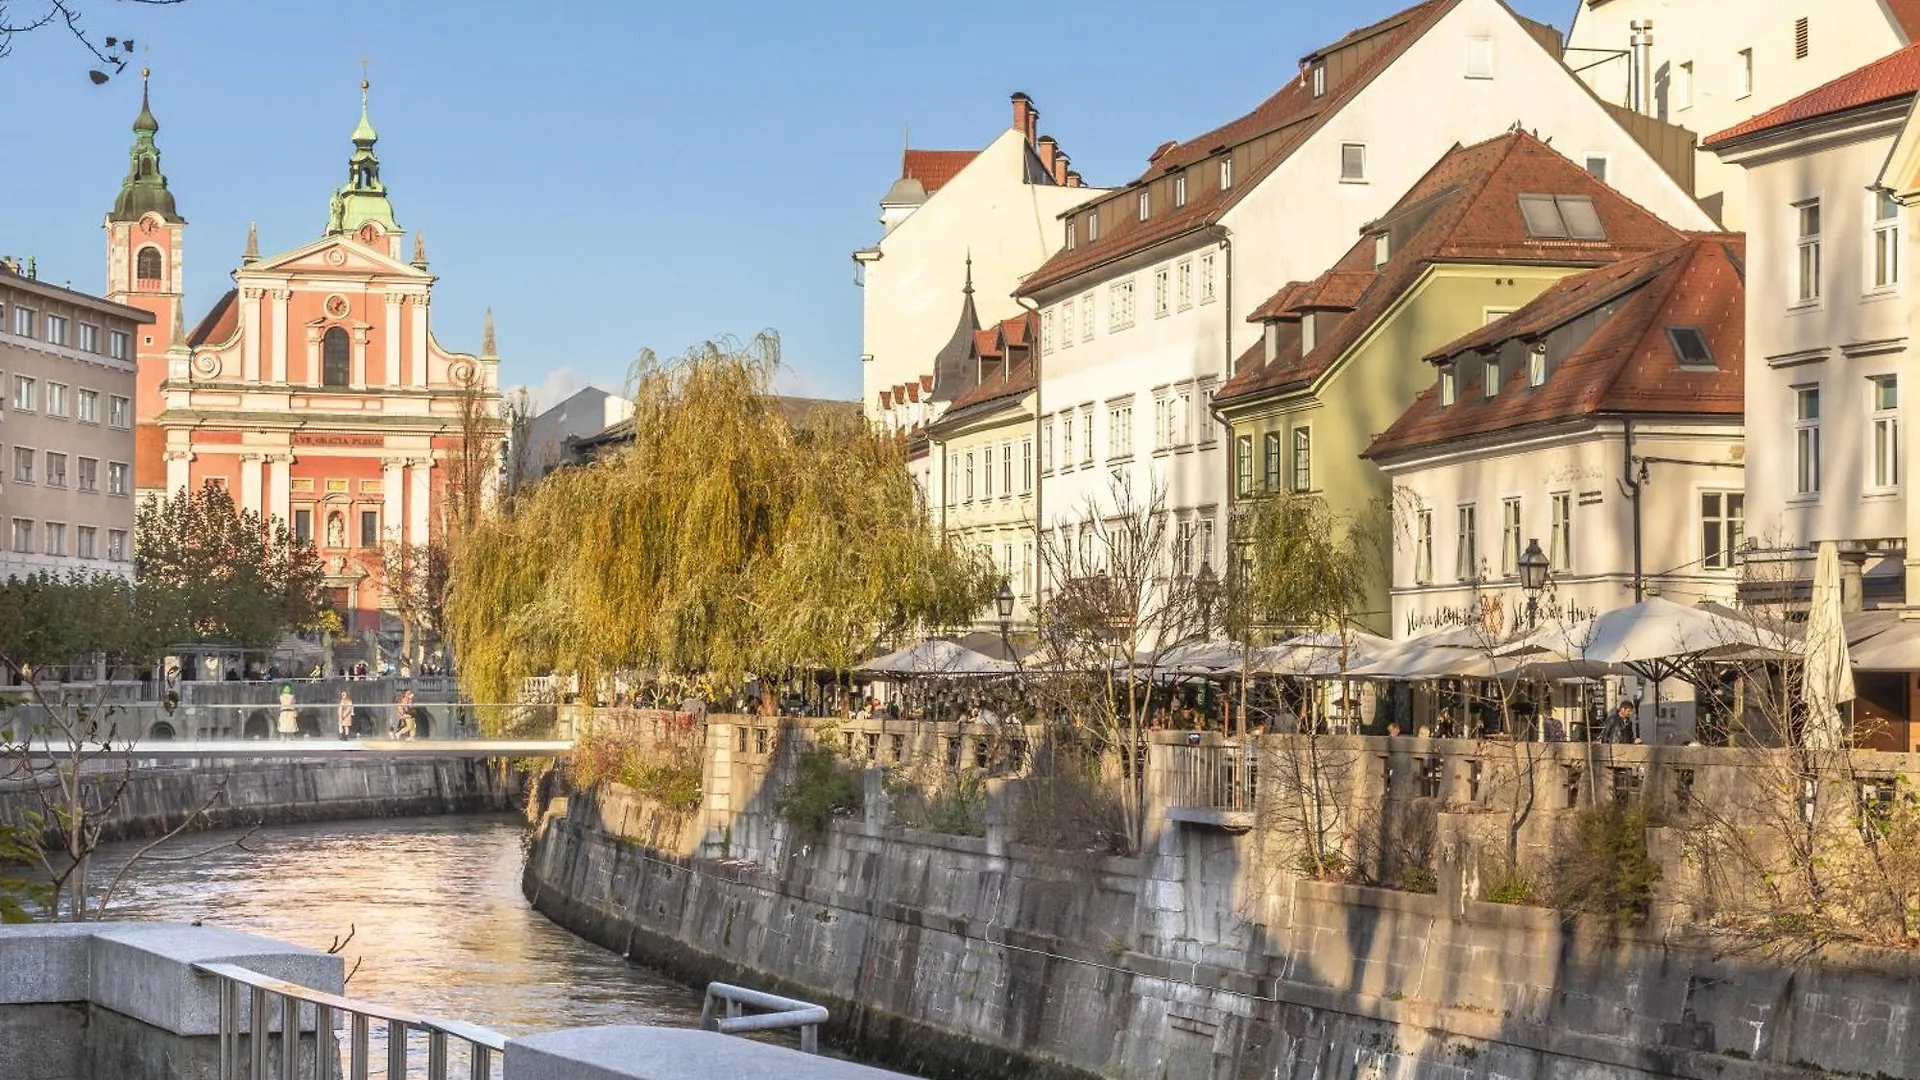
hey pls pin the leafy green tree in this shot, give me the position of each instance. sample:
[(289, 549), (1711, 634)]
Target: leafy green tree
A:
[(210, 570)]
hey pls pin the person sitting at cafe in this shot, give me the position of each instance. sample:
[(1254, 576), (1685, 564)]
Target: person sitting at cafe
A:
[(1625, 727)]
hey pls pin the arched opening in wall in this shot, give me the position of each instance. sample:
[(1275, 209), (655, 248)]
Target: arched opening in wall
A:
[(162, 732), (365, 723), (146, 264), (257, 726), (422, 723), (336, 359)]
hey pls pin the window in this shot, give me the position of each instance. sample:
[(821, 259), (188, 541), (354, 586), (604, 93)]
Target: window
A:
[(1206, 278), (1319, 80), (1162, 429), (1800, 38), (1723, 528), (1073, 230), (1560, 542), (1353, 163), (1243, 464), (1270, 470), (1006, 469), (1447, 385), (1046, 332), (117, 477), (1806, 440), (1146, 203), (1026, 465), (1689, 346), (967, 491), (1046, 445), (1886, 241), (1120, 305), (1490, 380), (1086, 434), (119, 345), (1066, 325), (22, 465), (1309, 333), (1086, 317), (1093, 226), (146, 264), (953, 480), (1509, 537), (1226, 172), (369, 528), (1536, 365), (1162, 293), (1886, 431), (1807, 268), (336, 359), (1066, 439), (1480, 58), (1466, 559), (23, 536), (116, 545), (1180, 189), (56, 469), (1302, 459), (1423, 548), (23, 321), (1683, 85), (57, 399), (57, 330), (1026, 569), (25, 393), (1561, 217), (88, 478), (119, 412), (87, 406), (56, 538), (1596, 165), (89, 338), (1120, 431), (303, 526), (1179, 413), (1382, 249), (86, 540), (1745, 85), (1183, 284)]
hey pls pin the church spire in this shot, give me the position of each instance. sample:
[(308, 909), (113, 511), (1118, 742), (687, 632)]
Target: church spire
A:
[(363, 198), (144, 190), (252, 254), (486, 338)]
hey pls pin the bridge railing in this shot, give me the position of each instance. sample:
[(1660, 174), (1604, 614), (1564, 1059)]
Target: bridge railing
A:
[(786, 1013), (251, 1002)]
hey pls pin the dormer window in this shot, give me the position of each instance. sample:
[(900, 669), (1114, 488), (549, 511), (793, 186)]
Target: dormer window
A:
[(1072, 231), (1308, 339), (1226, 172), (1319, 80), (1536, 365), (1690, 346), (1146, 203), (1561, 217), (1490, 382), (1093, 226), (1446, 385), (1180, 189), (1273, 342), (1382, 248)]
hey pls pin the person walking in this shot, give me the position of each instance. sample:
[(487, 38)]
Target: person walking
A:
[(289, 716), (403, 726), (346, 715)]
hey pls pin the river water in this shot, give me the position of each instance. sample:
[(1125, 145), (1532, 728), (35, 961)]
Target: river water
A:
[(440, 926)]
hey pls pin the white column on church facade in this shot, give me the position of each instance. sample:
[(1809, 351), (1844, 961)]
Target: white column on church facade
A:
[(280, 333), (396, 373), (417, 355), (393, 492), (250, 341), (314, 373), (280, 475), (250, 498), (419, 476), (178, 474)]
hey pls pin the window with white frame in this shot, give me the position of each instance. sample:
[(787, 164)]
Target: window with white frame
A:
[(23, 536), (86, 542), (1270, 462), (1886, 241), (1806, 440), (1086, 434), (1302, 459), (1162, 293), (1162, 430), (1205, 388), (88, 478), (1086, 317), (1067, 444), (24, 321), (1319, 80), (1743, 87), (87, 406), (1180, 188), (1006, 469), (1120, 430), (1026, 465), (1120, 305), (986, 471), (1466, 555), (57, 329), (1560, 535), (1479, 58), (56, 534), (1026, 569), (1536, 365), (1683, 85), (1423, 548), (56, 469), (1073, 229), (116, 545), (1353, 162), (23, 458), (1382, 248), (1509, 537), (1093, 226), (1226, 172), (26, 393), (1046, 332), (1046, 445), (966, 488), (1243, 465), (1180, 416), (58, 399), (1723, 528), (1206, 278), (1146, 203), (119, 412), (1490, 379), (1885, 390), (118, 475), (89, 338), (119, 344), (953, 480), (1447, 385), (1066, 325), (1596, 164), (1183, 284), (1806, 274)]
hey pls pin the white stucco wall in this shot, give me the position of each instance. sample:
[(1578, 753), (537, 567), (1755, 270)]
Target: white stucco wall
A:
[(1710, 35), (997, 519)]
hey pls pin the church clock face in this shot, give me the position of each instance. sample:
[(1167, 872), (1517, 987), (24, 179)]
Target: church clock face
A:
[(369, 233), (337, 306)]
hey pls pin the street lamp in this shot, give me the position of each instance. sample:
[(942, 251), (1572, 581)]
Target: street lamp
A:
[(1203, 587), (1533, 578), (1003, 601)]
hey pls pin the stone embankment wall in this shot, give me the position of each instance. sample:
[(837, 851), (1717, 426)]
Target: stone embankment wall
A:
[(961, 956), (160, 797)]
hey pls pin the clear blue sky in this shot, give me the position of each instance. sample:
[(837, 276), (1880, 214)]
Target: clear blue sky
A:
[(613, 175)]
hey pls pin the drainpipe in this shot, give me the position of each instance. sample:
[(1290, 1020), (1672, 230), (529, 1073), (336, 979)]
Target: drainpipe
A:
[(1635, 480), (1226, 366)]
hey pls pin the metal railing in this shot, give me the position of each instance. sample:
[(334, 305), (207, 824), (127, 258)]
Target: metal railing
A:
[(1214, 777), (372, 1031), (788, 1013)]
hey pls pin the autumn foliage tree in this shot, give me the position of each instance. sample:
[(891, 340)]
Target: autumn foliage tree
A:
[(210, 570)]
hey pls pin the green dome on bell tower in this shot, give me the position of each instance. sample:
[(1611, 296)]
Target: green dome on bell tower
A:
[(144, 190), (363, 197)]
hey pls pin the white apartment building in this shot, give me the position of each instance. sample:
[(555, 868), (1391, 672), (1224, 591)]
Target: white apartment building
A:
[(1145, 304), (954, 214), (66, 429), (550, 434), (1710, 64), (1829, 327)]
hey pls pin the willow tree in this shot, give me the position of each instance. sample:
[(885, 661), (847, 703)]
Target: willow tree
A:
[(727, 542)]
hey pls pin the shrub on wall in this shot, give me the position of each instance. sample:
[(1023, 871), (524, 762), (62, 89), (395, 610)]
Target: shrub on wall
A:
[(952, 802), (667, 768), (1604, 867), (822, 788)]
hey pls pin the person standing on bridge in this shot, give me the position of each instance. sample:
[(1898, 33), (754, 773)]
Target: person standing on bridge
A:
[(289, 716), (346, 715)]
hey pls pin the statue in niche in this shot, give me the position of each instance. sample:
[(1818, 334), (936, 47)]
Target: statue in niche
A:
[(336, 530)]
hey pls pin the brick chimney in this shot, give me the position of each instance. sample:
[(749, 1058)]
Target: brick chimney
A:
[(1073, 179), (1026, 118), (1060, 170), (1047, 147)]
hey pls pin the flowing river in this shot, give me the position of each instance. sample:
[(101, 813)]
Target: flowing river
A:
[(439, 924)]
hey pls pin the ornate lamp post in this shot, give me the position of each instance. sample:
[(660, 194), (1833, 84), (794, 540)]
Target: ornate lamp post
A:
[(1533, 579), (1003, 601)]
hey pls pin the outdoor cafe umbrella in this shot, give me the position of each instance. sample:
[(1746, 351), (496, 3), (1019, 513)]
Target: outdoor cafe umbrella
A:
[(1655, 639), (1319, 655), (935, 657), (1826, 682), (1193, 658)]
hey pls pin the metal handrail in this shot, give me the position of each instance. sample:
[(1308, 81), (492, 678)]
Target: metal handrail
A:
[(484, 1045), (788, 1013)]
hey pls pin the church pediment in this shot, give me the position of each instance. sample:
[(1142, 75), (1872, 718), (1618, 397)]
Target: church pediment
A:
[(336, 255)]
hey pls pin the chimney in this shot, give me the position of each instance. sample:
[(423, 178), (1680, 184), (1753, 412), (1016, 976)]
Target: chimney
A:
[(1047, 148), (1073, 179), (1026, 118), (1060, 170)]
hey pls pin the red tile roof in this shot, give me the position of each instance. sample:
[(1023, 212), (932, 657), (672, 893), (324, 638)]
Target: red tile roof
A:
[(997, 381), (1907, 14), (1260, 140), (1626, 365), (1465, 209), (1887, 78), (933, 168), (219, 323)]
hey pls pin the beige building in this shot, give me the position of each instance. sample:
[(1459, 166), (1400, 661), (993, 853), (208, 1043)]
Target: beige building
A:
[(66, 429)]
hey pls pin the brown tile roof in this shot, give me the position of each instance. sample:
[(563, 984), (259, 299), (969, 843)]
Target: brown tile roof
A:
[(933, 168), (994, 381), (1261, 140), (1626, 365), (1465, 209), (1893, 76), (219, 322)]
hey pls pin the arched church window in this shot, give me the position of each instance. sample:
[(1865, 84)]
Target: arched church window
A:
[(146, 265), (336, 362)]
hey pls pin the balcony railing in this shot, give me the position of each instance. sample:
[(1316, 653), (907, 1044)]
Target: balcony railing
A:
[(1213, 777)]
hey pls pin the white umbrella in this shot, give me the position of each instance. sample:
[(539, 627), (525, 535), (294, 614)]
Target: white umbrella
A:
[(1320, 655), (1192, 658), (1826, 683), (1654, 638), (935, 657)]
